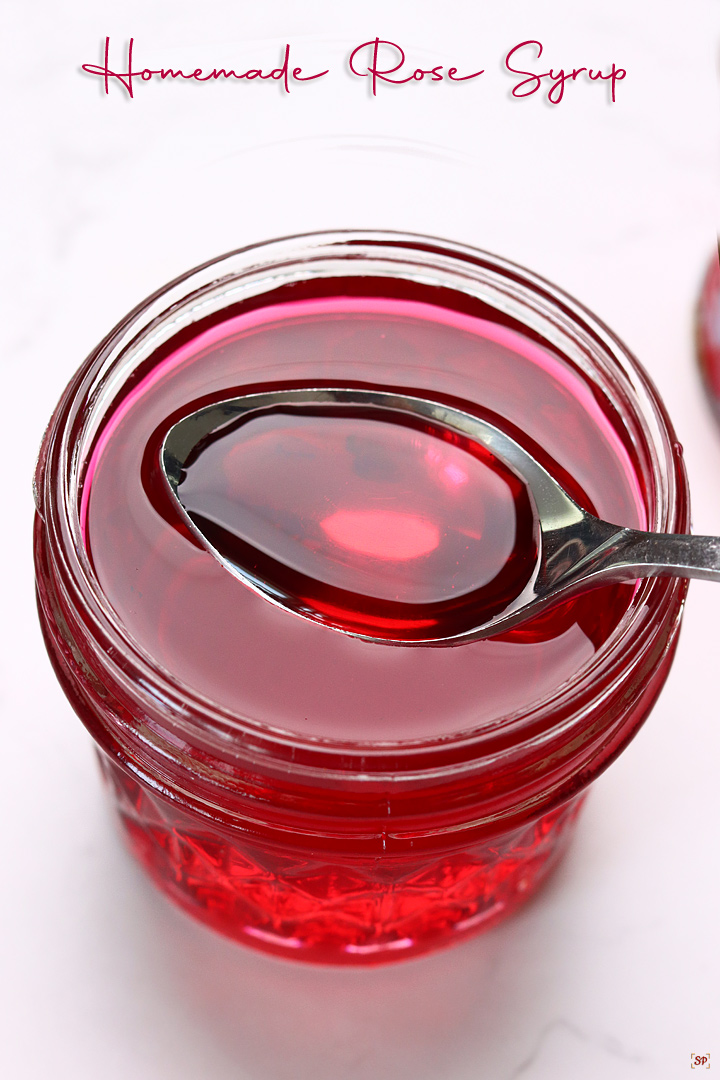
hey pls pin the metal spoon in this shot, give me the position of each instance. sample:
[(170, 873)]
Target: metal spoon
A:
[(575, 549)]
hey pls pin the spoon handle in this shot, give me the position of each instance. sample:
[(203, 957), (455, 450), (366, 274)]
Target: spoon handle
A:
[(642, 554)]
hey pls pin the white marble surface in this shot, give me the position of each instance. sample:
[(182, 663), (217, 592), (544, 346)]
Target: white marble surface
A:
[(612, 972)]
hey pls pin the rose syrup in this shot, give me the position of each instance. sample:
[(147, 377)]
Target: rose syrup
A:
[(373, 523), (363, 519)]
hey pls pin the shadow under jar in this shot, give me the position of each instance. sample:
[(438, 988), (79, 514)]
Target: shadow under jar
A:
[(295, 786)]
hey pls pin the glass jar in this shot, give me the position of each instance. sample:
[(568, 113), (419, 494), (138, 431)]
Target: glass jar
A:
[(300, 789)]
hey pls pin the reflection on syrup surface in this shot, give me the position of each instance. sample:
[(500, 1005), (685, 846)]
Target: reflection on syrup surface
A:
[(264, 663), (363, 520)]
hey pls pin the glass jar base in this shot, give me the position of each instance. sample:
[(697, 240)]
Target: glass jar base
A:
[(335, 910)]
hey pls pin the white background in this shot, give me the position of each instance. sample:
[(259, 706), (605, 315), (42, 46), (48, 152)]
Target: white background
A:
[(612, 972)]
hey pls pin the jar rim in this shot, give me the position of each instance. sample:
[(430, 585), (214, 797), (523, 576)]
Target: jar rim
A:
[(78, 420)]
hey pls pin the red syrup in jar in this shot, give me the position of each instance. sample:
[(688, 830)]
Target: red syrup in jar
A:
[(383, 514)]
